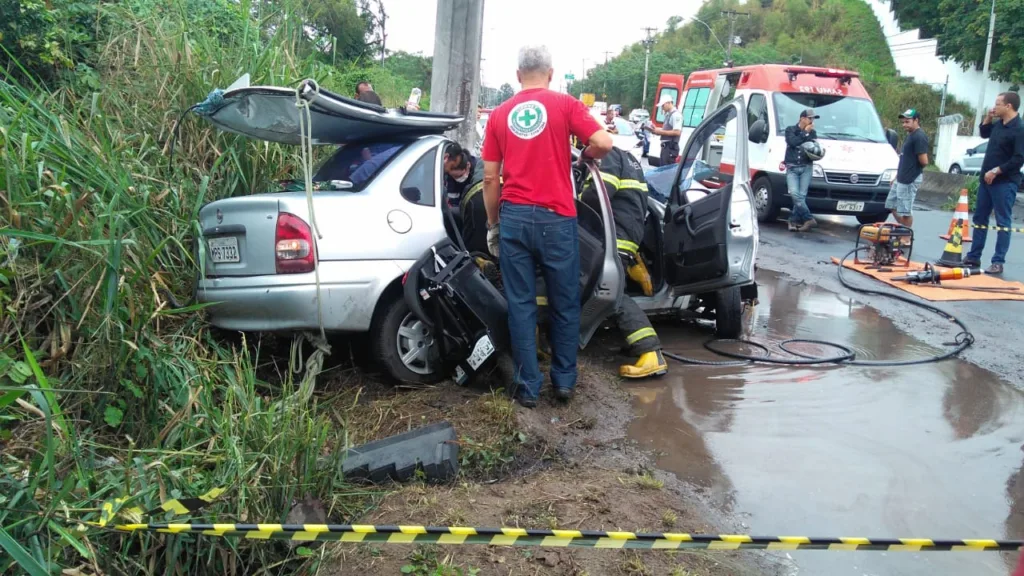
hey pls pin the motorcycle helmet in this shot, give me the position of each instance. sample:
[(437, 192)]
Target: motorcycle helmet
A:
[(813, 150)]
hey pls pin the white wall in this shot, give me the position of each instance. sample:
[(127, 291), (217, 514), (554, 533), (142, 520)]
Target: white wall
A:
[(915, 58)]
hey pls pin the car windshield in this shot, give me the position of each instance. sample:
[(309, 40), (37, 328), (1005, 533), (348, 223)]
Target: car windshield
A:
[(358, 163), (842, 117)]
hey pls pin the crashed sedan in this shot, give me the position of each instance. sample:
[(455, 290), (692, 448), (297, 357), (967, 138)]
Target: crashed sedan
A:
[(334, 254)]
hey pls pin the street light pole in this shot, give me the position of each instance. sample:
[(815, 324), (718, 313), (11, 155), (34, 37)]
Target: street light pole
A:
[(731, 15), (647, 62), (984, 74)]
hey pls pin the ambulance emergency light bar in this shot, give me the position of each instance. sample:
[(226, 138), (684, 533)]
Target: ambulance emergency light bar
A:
[(844, 76)]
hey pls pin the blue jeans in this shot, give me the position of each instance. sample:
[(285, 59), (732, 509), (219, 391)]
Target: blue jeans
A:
[(798, 181), (1000, 198), (533, 236)]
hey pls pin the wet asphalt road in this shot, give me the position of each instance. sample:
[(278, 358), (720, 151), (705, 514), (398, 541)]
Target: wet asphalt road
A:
[(932, 451)]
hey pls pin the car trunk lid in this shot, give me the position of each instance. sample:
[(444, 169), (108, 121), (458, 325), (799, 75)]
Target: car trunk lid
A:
[(238, 236)]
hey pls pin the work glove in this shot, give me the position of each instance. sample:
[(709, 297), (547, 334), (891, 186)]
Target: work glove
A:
[(493, 239)]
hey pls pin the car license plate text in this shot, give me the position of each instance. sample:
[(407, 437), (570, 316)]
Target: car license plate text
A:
[(849, 206), (224, 250), (482, 351)]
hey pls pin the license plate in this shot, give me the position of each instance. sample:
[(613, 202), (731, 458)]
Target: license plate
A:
[(482, 351), (224, 250), (850, 206)]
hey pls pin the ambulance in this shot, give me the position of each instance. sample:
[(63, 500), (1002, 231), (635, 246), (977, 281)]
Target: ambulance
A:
[(854, 176)]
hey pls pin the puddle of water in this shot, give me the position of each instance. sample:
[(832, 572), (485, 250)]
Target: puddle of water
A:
[(932, 451)]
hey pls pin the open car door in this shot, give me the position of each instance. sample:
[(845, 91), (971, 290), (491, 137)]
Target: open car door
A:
[(710, 230)]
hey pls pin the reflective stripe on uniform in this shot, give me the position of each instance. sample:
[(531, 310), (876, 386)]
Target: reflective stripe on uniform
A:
[(631, 184), (640, 335), (610, 180), (542, 300), (626, 245), (470, 193)]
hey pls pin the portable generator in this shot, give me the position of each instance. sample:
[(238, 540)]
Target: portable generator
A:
[(887, 244), (466, 313)]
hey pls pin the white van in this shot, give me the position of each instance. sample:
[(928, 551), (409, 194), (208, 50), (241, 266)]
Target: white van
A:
[(854, 176)]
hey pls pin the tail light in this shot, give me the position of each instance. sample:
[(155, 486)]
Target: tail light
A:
[(294, 249)]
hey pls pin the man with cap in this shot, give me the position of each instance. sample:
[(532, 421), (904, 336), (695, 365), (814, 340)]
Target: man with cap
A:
[(799, 170), (670, 130), (910, 172)]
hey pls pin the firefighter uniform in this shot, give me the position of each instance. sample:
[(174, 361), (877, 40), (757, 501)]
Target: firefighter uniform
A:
[(624, 180), (473, 212)]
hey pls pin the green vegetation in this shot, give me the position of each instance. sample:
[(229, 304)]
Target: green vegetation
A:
[(833, 33), (105, 391), (961, 29)]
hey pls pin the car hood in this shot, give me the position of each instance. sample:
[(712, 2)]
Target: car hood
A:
[(273, 114)]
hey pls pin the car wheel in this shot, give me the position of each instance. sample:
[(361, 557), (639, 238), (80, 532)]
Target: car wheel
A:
[(764, 200), (872, 218), (728, 313), (404, 347), (955, 169)]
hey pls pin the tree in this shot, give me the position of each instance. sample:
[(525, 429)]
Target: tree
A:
[(505, 92), (961, 30), (337, 26), (673, 23)]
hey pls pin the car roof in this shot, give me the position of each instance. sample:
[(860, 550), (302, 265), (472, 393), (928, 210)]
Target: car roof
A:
[(273, 114)]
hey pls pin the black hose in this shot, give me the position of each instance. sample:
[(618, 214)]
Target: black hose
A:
[(847, 356)]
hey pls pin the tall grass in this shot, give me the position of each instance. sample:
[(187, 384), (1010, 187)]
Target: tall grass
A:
[(104, 390)]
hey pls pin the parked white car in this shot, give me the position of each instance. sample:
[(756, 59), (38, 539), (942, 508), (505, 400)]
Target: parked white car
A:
[(639, 116), (970, 162), (337, 257)]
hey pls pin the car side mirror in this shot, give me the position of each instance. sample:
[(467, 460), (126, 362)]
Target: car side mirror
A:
[(890, 135), (758, 132), (971, 151)]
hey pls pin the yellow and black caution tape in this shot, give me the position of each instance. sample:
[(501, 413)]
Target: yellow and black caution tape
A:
[(996, 228), (178, 506), (564, 538), (520, 536)]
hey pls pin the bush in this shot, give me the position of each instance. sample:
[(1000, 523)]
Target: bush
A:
[(129, 397)]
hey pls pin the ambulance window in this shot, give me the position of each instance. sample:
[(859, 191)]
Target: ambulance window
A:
[(665, 93), (693, 107), (757, 109)]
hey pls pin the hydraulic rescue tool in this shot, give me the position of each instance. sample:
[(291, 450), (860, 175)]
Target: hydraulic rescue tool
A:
[(889, 244), (932, 275)]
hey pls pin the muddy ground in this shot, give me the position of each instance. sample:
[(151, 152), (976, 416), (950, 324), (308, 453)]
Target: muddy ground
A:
[(924, 451), (554, 467)]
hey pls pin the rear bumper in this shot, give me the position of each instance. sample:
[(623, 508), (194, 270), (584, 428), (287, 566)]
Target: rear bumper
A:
[(349, 292), (822, 197)]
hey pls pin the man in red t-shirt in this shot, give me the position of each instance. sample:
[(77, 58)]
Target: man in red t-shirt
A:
[(527, 145)]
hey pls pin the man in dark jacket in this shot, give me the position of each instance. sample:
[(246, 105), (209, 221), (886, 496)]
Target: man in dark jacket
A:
[(624, 180), (799, 170), (1001, 177)]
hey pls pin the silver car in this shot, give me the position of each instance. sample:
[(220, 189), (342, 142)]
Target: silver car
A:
[(336, 257)]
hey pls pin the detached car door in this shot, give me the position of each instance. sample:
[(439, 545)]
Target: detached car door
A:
[(710, 228)]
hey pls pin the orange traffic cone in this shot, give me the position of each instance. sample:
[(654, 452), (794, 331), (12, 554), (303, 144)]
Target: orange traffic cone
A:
[(960, 214), (952, 256)]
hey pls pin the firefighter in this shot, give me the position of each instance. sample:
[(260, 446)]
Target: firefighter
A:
[(624, 180)]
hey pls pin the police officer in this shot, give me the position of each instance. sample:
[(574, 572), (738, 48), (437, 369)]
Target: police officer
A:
[(624, 181)]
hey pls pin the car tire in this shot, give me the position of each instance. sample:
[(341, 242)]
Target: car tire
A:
[(397, 331), (955, 169), (872, 218), (728, 313), (764, 200)]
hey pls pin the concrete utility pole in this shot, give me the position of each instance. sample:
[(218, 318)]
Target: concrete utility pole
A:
[(984, 72), (942, 103), (731, 15), (455, 83), (648, 42)]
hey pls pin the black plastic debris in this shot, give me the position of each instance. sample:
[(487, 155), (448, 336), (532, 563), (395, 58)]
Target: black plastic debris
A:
[(431, 450)]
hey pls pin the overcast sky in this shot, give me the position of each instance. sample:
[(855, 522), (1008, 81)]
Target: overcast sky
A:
[(572, 30)]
